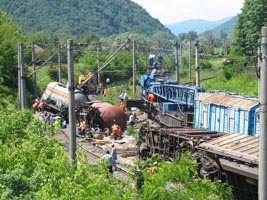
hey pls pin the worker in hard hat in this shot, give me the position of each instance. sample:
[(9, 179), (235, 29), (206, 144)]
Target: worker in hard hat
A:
[(116, 131), (151, 97)]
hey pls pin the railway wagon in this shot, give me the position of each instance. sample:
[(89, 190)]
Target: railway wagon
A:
[(235, 157), (174, 104), (188, 106), (97, 113), (56, 99), (232, 158), (56, 95), (227, 113)]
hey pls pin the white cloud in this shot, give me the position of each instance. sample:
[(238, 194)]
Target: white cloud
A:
[(172, 11)]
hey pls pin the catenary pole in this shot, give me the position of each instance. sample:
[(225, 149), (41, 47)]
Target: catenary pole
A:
[(134, 69), (259, 65), (197, 65), (181, 52), (19, 68), (72, 120), (98, 63), (22, 78), (263, 119), (189, 59), (176, 61), (225, 44), (59, 62)]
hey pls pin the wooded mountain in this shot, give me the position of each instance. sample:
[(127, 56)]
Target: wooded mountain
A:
[(197, 25), (77, 17), (227, 27)]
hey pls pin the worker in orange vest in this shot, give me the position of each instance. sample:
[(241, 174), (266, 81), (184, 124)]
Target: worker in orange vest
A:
[(116, 131), (153, 168), (151, 97), (122, 106), (82, 128), (36, 103)]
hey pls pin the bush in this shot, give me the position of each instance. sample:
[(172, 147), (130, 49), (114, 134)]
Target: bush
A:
[(205, 64), (228, 73)]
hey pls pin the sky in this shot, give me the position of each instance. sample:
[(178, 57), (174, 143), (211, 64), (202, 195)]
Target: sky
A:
[(173, 11)]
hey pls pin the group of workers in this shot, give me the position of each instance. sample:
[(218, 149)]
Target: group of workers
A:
[(38, 104)]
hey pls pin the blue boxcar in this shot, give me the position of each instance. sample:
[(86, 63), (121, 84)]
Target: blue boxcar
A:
[(226, 113)]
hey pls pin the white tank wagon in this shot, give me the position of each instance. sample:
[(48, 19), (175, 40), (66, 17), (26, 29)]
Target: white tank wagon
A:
[(96, 114), (56, 96)]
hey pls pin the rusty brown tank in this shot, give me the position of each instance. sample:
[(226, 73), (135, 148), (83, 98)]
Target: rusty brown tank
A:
[(109, 114)]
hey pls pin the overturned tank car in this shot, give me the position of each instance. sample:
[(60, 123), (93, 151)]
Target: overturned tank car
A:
[(96, 114), (110, 114)]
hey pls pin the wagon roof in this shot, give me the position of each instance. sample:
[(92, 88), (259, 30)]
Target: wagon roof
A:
[(228, 101), (237, 146)]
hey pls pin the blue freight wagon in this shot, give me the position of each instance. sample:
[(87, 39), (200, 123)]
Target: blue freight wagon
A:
[(226, 113)]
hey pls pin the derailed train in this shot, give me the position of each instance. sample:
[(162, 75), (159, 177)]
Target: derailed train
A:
[(231, 158), (220, 130), (95, 113)]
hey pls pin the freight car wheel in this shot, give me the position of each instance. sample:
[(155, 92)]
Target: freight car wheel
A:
[(209, 168)]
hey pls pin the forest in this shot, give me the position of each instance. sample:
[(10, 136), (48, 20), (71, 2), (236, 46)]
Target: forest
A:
[(33, 164), (78, 17)]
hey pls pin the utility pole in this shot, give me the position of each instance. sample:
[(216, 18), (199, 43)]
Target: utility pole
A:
[(72, 120), (263, 119), (22, 78), (134, 69), (259, 66), (59, 62), (225, 44), (176, 61), (98, 72), (197, 65), (19, 86), (189, 59), (181, 55), (34, 71)]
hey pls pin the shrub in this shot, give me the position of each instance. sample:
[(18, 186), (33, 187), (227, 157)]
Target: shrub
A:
[(205, 64)]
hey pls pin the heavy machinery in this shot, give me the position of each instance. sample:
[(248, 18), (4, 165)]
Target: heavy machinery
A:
[(86, 83)]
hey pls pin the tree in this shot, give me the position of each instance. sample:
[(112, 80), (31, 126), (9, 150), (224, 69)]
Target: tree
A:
[(249, 24), (182, 36), (208, 41), (192, 35), (9, 35)]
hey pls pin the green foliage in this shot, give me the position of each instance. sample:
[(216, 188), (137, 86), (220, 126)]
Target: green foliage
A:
[(132, 131), (82, 17), (249, 25), (205, 64), (228, 72), (9, 35), (34, 166), (231, 80), (53, 73), (177, 180)]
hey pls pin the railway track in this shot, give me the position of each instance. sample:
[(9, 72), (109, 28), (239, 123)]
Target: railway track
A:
[(95, 153)]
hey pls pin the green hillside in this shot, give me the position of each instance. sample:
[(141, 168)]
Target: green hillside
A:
[(77, 17), (227, 27)]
